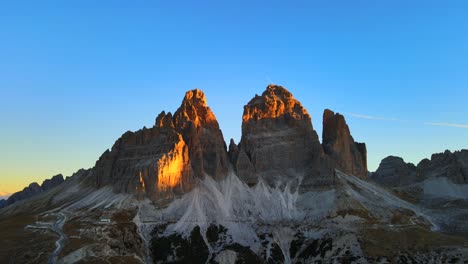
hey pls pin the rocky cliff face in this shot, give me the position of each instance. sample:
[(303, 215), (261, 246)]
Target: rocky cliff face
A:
[(197, 124), (146, 162), (350, 157), (168, 157), (394, 172), (278, 142)]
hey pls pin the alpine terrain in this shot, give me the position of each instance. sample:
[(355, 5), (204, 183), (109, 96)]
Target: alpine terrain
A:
[(177, 193)]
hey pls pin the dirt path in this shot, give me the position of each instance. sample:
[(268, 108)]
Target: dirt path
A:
[(57, 227)]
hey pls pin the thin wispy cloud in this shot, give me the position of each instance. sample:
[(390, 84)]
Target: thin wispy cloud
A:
[(375, 117), (447, 125), (442, 124), (269, 79)]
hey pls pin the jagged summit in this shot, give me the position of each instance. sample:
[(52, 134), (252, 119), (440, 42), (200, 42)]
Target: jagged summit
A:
[(195, 97), (395, 172), (170, 156), (278, 90), (194, 109), (275, 102), (278, 142), (165, 120), (350, 156)]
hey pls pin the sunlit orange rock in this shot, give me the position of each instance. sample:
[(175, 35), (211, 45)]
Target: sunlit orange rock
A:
[(172, 166), (195, 110), (164, 120), (275, 102)]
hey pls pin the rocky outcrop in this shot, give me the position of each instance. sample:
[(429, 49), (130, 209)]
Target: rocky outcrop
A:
[(394, 172), (350, 157), (168, 157), (279, 143), (233, 151), (32, 190), (453, 166), (52, 183)]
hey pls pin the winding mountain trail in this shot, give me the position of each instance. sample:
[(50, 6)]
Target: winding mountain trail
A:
[(57, 227)]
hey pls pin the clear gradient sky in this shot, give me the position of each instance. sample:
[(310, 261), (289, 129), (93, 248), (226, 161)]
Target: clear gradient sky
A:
[(75, 75)]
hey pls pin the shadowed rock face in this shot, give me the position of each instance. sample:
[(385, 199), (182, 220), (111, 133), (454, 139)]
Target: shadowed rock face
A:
[(453, 166), (28, 192), (53, 182), (278, 142), (34, 189), (394, 172), (169, 156), (350, 157)]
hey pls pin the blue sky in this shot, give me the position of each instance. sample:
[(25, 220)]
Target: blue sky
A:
[(75, 75)]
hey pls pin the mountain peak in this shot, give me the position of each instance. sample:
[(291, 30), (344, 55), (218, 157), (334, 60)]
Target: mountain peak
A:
[(276, 101), (194, 109), (350, 156), (200, 129), (278, 140), (195, 97), (273, 89)]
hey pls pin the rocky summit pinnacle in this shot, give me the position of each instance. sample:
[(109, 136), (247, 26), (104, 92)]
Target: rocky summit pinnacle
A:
[(199, 127), (194, 110), (275, 102), (168, 157), (278, 141), (350, 157)]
